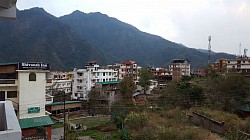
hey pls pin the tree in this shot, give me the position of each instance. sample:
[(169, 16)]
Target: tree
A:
[(182, 94), (127, 87), (234, 90), (145, 77), (97, 102)]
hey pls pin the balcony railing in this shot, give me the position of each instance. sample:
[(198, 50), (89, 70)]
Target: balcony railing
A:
[(7, 81)]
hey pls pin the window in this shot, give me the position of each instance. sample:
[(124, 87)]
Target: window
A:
[(32, 76), (103, 73), (11, 94)]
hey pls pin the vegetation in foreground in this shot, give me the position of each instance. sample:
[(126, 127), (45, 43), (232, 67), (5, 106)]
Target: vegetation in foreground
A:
[(165, 114)]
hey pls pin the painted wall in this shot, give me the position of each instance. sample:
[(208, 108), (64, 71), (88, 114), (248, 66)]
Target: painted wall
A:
[(31, 93)]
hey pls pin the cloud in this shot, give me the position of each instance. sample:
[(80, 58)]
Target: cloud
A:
[(189, 22)]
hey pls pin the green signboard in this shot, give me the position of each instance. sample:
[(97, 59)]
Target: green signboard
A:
[(33, 110)]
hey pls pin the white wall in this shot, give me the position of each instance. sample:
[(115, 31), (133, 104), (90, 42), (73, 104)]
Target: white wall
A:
[(13, 130), (31, 93)]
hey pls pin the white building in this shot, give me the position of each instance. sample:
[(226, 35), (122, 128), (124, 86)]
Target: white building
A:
[(24, 84), (58, 81), (240, 64), (85, 79), (9, 126)]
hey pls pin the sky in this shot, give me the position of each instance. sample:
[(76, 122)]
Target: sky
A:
[(189, 22)]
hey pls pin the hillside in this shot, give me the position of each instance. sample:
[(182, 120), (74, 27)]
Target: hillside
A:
[(123, 41), (39, 36), (72, 40)]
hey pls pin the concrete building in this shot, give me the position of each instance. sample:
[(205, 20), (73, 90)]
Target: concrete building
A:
[(129, 67), (220, 66), (240, 64), (179, 68), (58, 81), (24, 84), (162, 75), (85, 79), (57, 108), (9, 126)]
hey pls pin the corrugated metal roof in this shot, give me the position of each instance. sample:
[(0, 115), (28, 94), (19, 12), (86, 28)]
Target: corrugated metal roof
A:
[(11, 63), (35, 122), (61, 103), (109, 82)]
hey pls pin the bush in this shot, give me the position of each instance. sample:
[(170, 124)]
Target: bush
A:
[(136, 121)]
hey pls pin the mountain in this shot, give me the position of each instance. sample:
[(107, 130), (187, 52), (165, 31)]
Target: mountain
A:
[(72, 40), (124, 41), (39, 36)]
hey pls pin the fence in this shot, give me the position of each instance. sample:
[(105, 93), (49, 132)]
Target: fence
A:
[(207, 123)]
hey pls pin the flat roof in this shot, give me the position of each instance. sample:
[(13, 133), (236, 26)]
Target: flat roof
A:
[(62, 103), (109, 82), (35, 122)]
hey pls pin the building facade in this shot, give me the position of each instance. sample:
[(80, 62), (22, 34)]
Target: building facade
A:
[(220, 66), (85, 79), (58, 81), (129, 67), (179, 68), (240, 65), (24, 84)]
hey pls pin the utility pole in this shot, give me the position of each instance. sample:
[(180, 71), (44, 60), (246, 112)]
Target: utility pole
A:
[(240, 50), (209, 49), (64, 116)]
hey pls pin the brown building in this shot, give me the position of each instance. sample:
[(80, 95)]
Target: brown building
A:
[(179, 68), (162, 75), (220, 66), (57, 108)]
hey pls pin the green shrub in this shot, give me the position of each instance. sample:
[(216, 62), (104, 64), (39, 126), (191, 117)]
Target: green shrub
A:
[(135, 120)]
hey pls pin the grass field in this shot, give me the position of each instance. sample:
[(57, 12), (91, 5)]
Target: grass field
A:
[(92, 121)]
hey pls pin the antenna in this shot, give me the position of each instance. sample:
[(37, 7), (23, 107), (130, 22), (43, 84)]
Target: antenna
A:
[(245, 52), (209, 49), (240, 50)]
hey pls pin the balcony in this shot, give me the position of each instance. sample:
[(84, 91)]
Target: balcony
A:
[(8, 82), (9, 126)]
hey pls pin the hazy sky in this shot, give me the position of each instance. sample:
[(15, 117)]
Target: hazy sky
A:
[(189, 22)]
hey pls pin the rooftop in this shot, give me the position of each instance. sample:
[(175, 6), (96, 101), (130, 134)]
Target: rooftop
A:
[(35, 122), (61, 103), (109, 82)]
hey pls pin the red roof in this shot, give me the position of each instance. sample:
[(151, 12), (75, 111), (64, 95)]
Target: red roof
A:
[(128, 62)]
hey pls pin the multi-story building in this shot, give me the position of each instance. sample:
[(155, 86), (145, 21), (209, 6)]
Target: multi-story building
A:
[(24, 84), (240, 64), (58, 81), (162, 75), (179, 68), (129, 67), (220, 66), (85, 79)]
